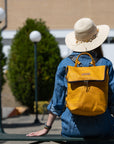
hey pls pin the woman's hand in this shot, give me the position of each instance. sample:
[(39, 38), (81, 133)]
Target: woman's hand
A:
[(38, 133), (47, 127)]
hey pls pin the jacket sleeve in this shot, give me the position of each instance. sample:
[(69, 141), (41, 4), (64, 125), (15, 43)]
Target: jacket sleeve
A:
[(111, 88), (57, 103)]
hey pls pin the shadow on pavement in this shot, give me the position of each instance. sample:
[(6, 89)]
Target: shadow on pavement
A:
[(17, 125)]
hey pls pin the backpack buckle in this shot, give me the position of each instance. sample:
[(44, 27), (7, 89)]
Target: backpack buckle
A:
[(86, 84)]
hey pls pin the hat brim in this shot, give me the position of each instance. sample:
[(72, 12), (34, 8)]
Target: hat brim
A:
[(71, 41)]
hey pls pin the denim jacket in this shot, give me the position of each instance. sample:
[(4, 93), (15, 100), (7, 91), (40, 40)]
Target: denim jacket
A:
[(75, 125)]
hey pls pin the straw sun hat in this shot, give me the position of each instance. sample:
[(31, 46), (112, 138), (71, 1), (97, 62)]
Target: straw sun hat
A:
[(86, 36)]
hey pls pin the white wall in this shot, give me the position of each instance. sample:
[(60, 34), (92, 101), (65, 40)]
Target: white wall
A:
[(108, 49), (108, 52)]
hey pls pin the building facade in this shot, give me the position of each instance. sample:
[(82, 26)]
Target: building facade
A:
[(58, 14)]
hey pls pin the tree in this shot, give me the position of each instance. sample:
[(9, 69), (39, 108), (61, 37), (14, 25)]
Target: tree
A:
[(2, 62), (21, 63)]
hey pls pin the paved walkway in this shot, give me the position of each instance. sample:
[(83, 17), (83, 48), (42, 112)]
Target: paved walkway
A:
[(25, 124)]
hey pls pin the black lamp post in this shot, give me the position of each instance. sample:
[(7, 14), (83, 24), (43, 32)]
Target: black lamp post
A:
[(35, 37), (2, 17)]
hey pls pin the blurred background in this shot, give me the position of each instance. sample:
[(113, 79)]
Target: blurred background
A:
[(54, 19), (59, 17)]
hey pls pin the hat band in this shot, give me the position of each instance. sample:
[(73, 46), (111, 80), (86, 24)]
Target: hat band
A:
[(87, 38)]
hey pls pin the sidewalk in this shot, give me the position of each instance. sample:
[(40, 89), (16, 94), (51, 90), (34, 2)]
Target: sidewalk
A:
[(24, 124)]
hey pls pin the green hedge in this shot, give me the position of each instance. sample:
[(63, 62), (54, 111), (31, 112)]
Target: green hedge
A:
[(42, 107), (2, 61), (21, 63)]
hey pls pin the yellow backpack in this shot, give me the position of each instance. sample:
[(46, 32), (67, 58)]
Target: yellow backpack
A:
[(87, 92)]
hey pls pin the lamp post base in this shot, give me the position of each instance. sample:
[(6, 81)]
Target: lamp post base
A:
[(36, 121), (1, 130)]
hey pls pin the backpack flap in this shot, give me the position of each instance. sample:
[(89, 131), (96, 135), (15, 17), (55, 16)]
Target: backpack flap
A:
[(95, 73)]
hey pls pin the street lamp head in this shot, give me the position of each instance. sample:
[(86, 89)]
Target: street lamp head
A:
[(2, 14), (35, 36)]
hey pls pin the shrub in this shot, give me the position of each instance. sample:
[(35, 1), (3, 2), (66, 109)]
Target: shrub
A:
[(42, 107), (21, 63), (2, 62)]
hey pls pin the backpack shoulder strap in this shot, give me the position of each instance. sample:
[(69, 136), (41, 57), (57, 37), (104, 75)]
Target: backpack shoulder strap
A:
[(72, 57)]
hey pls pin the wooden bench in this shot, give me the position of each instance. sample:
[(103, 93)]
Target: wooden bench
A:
[(54, 138)]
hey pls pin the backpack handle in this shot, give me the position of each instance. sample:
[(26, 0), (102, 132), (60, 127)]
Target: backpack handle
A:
[(77, 62)]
